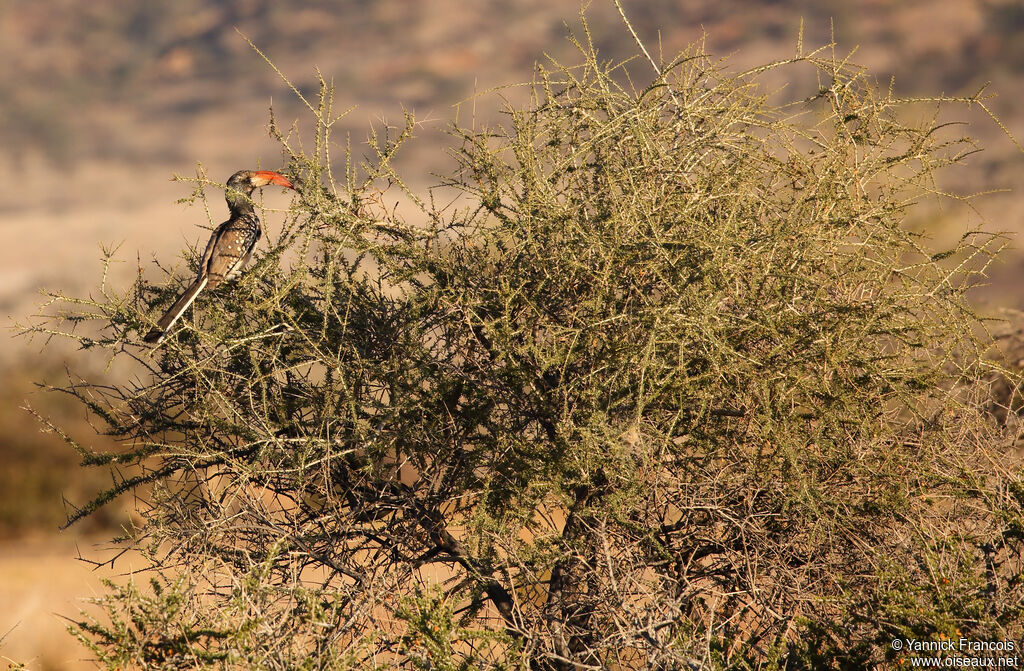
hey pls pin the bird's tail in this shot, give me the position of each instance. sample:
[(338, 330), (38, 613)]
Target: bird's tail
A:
[(157, 333)]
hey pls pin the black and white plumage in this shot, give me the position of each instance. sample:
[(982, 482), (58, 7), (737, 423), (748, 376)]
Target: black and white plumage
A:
[(230, 247)]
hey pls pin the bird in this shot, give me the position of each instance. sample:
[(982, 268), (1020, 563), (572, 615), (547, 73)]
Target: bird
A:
[(230, 247)]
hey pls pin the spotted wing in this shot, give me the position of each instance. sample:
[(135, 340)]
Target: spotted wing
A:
[(231, 248)]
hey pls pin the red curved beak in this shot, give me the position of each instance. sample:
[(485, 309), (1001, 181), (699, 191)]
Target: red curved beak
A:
[(274, 178)]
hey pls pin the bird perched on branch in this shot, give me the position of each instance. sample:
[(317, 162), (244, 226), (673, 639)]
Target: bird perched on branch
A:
[(230, 247)]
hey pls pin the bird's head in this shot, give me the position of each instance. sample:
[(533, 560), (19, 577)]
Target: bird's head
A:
[(244, 182), (248, 180)]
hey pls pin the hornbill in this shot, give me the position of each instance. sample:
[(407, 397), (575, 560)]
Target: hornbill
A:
[(230, 247)]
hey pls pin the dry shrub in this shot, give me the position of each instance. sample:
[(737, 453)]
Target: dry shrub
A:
[(671, 384)]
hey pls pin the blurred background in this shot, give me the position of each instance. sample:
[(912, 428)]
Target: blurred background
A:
[(101, 103)]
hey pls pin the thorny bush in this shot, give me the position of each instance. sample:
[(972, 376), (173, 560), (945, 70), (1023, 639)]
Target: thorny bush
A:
[(672, 384)]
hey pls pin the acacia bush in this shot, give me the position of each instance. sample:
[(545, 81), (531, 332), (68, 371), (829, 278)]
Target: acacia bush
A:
[(671, 384)]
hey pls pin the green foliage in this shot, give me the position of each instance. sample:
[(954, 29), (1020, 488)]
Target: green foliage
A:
[(172, 624), (669, 383), (433, 640), (151, 631)]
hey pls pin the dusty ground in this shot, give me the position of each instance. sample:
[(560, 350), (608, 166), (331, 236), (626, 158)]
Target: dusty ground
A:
[(42, 583)]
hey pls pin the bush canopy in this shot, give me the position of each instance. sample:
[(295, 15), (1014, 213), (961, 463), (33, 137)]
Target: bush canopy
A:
[(659, 376)]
